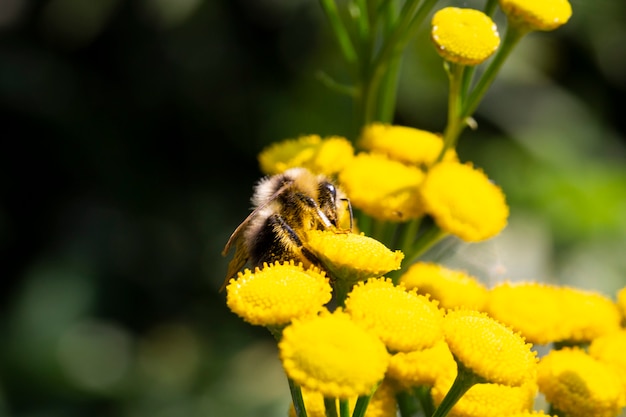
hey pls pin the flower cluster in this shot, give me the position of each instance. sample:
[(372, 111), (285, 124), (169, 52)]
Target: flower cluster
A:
[(368, 328)]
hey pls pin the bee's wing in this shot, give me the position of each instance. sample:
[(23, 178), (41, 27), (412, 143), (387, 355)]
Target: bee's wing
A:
[(241, 252), (236, 264), (237, 233)]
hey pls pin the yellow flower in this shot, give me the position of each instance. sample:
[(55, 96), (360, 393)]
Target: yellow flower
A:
[(537, 14), (383, 188), (403, 320), (333, 355), (579, 385), (321, 156), (547, 313), (487, 400), (404, 144), (464, 36), (382, 403), (533, 309), (621, 303), (352, 257), (611, 349), (488, 348), (421, 367), (590, 314), (450, 287), (278, 293), (463, 201)]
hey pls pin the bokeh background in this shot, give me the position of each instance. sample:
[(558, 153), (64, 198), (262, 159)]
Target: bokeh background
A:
[(129, 133)]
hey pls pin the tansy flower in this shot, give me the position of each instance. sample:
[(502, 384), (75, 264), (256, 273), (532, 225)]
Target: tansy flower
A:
[(487, 400), (382, 403), (278, 293), (450, 287), (333, 355), (352, 257), (547, 313), (404, 144), (421, 367), (464, 36), (383, 188), (589, 314), (529, 414), (537, 14), (488, 348), (463, 201), (578, 385), (322, 156), (403, 320), (531, 308), (611, 349)]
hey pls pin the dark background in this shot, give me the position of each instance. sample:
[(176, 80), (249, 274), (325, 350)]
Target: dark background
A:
[(130, 131)]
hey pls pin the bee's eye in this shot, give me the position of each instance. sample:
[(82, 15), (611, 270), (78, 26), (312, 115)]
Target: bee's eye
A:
[(330, 189)]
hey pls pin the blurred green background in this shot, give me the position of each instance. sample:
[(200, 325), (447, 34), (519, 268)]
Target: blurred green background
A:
[(130, 130)]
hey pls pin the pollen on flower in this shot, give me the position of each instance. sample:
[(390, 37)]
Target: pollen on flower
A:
[(548, 313), (331, 354), (578, 385), (489, 348), (321, 156), (452, 288), (278, 293), (421, 367), (543, 15), (404, 144), (464, 36), (463, 201), (353, 257), (610, 349), (383, 188), (403, 320), (487, 400)]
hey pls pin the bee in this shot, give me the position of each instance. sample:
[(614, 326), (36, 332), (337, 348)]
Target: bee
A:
[(285, 207)]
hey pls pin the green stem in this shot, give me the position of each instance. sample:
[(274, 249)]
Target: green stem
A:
[(490, 7), (296, 397), (363, 21), (330, 405), (344, 408), (410, 17), (424, 242), (361, 405), (465, 379), (389, 91), (339, 30), (422, 393), (406, 404), (456, 123), (409, 234), (389, 84), (341, 288)]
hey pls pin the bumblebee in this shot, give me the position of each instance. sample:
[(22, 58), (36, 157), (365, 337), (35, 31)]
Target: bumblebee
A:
[(285, 207)]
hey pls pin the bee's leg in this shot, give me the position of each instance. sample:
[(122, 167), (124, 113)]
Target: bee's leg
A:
[(312, 204), (278, 221), (347, 201)]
